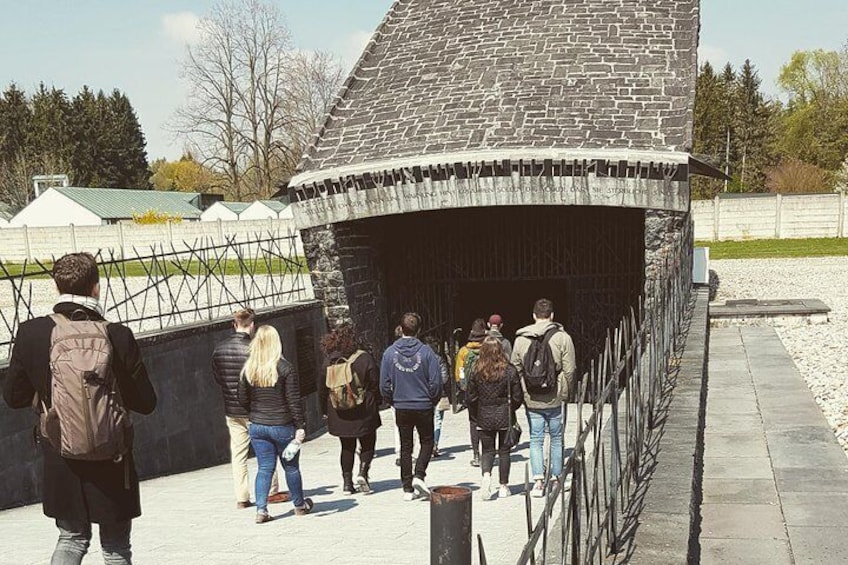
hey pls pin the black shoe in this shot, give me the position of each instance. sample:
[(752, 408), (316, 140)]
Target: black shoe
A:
[(348, 487), (475, 461), (362, 479), (397, 461)]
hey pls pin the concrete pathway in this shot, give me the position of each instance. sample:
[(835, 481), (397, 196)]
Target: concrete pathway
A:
[(775, 487), (191, 518)]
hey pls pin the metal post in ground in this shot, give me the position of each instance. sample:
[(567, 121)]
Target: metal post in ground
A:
[(450, 526)]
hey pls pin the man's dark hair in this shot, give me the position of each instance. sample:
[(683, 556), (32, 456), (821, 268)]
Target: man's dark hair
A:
[(243, 318), (410, 324), (76, 273), (543, 308)]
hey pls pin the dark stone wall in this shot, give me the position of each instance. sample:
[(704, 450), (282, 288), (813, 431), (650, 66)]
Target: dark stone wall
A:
[(187, 431), (347, 276)]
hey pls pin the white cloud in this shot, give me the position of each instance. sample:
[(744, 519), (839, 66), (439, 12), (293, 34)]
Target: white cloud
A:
[(715, 55), (182, 27)]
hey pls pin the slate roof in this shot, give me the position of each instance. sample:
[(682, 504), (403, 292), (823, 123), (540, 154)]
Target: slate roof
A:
[(236, 207), (442, 77), (120, 203), (274, 205)]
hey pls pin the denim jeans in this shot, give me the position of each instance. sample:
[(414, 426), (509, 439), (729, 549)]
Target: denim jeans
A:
[(438, 418), (268, 444), (541, 421), (75, 537), (407, 421)]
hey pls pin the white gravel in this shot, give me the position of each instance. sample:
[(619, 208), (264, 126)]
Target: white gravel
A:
[(819, 351)]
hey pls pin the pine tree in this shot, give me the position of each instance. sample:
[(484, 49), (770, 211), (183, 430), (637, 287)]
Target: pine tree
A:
[(753, 126), (126, 157), (50, 133), (86, 129), (15, 120)]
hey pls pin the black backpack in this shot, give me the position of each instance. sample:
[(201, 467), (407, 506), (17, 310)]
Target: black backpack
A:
[(540, 373)]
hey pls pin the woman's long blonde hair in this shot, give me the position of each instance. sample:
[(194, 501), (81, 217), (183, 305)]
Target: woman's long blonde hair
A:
[(266, 350)]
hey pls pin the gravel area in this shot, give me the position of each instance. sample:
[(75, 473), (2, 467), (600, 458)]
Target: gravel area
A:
[(820, 351)]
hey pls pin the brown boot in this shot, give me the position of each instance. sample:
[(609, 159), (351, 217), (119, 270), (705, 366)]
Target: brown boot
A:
[(305, 509)]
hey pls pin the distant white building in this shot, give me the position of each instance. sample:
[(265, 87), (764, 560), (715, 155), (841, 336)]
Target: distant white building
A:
[(225, 211), (62, 206), (265, 209)]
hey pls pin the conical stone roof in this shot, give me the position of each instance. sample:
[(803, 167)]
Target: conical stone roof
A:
[(443, 76), (458, 103)]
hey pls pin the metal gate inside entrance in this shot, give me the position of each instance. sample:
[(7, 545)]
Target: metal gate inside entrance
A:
[(453, 266)]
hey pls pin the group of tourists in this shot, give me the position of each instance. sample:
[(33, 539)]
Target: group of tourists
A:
[(83, 375)]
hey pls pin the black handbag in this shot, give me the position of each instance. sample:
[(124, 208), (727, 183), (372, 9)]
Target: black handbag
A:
[(513, 433)]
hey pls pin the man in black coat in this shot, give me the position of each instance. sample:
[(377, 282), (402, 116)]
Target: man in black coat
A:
[(79, 493), (227, 362)]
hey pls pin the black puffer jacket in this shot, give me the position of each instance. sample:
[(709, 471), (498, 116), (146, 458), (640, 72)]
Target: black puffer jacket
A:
[(227, 362), (278, 405), (491, 399)]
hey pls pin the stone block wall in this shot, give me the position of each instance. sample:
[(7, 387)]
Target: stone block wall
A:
[(347, 277)]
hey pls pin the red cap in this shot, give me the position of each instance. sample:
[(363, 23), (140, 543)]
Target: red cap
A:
[(495, 320)]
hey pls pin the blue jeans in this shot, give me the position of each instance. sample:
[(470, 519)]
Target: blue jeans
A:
[(540, 421), (268, 443), (438, 418), (75, 537)]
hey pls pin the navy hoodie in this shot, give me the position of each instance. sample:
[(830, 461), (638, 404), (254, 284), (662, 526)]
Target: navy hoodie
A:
[(410, 378)]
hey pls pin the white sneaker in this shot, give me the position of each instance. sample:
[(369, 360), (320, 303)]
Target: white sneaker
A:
[(538, 490), (486, 487), (420, 487), (410, 496), (504, 491)]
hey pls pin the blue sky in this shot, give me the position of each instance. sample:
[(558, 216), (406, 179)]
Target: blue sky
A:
[(136, 45)]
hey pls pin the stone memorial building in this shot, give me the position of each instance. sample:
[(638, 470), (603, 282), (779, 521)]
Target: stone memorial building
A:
[(485, 153)]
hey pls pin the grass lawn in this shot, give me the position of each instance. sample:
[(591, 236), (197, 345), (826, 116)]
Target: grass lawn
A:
[(141, 269), (767, 248)]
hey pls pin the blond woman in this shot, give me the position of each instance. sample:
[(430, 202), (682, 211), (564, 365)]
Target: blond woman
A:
[(269, 391)]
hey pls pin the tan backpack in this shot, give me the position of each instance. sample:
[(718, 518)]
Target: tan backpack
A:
[(346, 390), (87, 419)]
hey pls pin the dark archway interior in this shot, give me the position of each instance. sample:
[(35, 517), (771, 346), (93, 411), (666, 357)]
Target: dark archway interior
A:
[(452, 266)]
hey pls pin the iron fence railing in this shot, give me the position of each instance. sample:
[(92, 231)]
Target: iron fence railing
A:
[(625, 387), (163, 286)]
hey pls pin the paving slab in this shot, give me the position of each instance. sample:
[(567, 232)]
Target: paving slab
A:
[(791, 498), (740, 491), (742, 521), (745, 552), (819, 545)]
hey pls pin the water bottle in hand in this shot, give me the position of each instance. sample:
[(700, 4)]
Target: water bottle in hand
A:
[(291, 450)]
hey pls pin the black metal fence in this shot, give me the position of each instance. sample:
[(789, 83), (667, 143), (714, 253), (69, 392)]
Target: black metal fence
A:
[(625, 385), (163, 286)]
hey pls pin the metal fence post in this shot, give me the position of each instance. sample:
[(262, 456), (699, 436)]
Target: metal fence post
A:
[(450, 526)]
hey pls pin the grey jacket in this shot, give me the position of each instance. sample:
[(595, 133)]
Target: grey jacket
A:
[(563, 351)]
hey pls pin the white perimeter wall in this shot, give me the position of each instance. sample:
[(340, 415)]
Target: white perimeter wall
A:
[(45, 243), (771, 216), (55, 209)]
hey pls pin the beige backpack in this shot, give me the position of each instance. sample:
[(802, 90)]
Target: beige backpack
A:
[(87, 419), (346, 390)]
